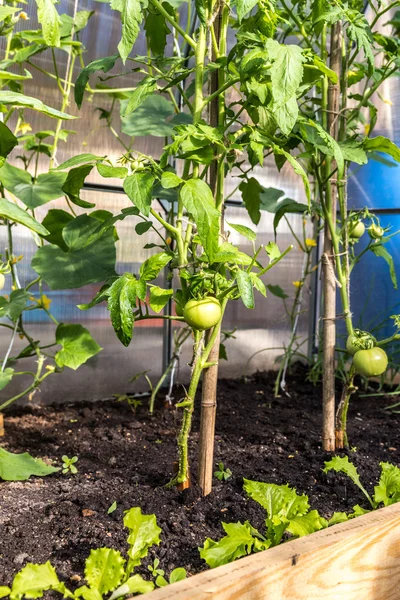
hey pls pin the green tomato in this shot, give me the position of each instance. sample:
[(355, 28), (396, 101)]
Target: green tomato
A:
[(357, 230), (2, 281), (365, 339), (202, 314), (370, 363), (375, 232)]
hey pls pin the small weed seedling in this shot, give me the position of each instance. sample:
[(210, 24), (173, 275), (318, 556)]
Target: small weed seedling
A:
[(68, 465), (133, 402), (176, 575), (222, 474)]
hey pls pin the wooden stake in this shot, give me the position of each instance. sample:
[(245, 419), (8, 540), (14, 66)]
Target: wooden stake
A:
[(328, 262), (2, 431), (207, 420)]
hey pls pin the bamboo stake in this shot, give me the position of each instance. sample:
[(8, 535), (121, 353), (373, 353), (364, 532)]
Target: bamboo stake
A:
[(210, 375), (2, 431), (329, 287)]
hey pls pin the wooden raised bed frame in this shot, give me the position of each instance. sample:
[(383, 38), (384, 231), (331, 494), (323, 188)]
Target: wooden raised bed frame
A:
[(357, 560)]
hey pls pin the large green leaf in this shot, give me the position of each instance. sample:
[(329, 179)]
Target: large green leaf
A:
[(9, 210), (159, 298), (8, 141), (131, 17), (156, 29), (77, 346), (144, 533), (33, 193), (156, 116), (55, 221), (79, 265), (17, 99), (19, 467), (306, 524), (101, 64), (16, 304), (7, 11), (50, 21), (79, 159), (104, 569), (198, 200), (138, 187)]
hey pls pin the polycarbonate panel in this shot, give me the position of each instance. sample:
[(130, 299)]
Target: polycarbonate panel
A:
[(108, 372)]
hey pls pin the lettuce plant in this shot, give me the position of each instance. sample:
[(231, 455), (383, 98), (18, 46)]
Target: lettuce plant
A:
[(107, 572), (287, 513)]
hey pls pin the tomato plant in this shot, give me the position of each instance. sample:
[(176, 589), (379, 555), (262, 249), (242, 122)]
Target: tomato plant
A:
[(357, 230)]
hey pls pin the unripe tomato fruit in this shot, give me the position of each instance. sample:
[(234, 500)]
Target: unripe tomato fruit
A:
[(2, 281), (202, 314), (357, 231), (178, 310), (368, 341), (370, 363), (375, 232)]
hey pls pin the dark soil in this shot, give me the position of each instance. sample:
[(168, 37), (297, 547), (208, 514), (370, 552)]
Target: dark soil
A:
[(127, 458)]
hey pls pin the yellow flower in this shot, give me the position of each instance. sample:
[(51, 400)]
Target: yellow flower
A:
[(367, 127), (44, 302), (297, 284), (24, 128), (387, 101), (22, 15), (311, 243)]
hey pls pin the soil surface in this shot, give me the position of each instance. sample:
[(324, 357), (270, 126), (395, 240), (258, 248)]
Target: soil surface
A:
[(127, 458)]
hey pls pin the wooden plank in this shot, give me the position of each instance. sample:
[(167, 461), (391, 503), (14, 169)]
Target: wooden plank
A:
[(357, 560)]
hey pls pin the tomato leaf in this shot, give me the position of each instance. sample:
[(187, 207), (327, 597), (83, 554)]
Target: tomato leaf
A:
[(145, 89), (198, 200), (101, 64), (121, 302), (17, 99), (131, 18), (243, 230), (379, 250), (159, 298), (138, 187), (5, 377), (245, 285), (251, 191), (152, 266), (382, 144), (50, 22), (74, 183)]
